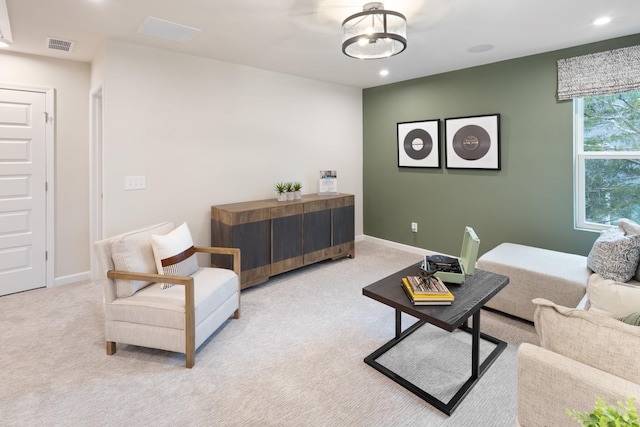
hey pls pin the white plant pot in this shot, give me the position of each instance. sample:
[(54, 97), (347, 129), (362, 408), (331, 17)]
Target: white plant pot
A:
[(282, 197), (298, 195), (290, 195)]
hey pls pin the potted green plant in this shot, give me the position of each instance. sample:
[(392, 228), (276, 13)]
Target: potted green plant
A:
[(604, 415), (297, 187), (289, 187), (281, 190)]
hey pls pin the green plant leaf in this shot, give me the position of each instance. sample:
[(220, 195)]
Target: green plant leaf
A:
[(603, 415)]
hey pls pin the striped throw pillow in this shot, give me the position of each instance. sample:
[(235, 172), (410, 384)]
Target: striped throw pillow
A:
[(174, 253)]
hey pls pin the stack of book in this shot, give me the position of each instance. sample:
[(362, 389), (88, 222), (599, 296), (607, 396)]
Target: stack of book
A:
[(426, 291)]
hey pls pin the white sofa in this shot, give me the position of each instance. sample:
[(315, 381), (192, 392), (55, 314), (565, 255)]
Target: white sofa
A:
[(606, 281), (577, 304)]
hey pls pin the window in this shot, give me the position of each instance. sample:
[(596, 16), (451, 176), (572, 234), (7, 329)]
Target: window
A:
[(607, 153)]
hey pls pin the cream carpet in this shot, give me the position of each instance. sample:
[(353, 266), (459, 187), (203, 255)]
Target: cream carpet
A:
[(294, 358)]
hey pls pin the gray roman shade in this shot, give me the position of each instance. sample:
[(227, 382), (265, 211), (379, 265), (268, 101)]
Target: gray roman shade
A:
[(612, 71)]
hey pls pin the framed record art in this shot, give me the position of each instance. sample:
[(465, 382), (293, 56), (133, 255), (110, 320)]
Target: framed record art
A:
[(473, 142), (419, 144)]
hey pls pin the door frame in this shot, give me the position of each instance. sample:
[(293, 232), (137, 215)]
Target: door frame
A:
[(96, 191), (49, 105)]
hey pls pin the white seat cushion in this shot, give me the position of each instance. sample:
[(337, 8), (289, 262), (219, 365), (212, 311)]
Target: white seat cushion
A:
[(165, 307)]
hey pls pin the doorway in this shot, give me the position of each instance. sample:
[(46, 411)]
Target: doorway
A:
[(26, 188)]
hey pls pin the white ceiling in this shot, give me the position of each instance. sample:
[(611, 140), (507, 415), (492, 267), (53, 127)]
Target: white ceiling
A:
[(303, 37)]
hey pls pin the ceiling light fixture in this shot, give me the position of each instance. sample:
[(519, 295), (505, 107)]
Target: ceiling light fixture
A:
[(602, 20), (374, 33)]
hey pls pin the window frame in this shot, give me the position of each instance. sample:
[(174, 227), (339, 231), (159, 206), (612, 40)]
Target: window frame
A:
[(580, 158)]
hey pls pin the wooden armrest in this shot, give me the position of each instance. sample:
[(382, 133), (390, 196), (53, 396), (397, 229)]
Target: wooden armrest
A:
[(217, 250), (235, 252), (150, 277)]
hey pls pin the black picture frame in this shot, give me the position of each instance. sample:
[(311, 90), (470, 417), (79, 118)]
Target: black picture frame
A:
[(419, 144), (473, 142)]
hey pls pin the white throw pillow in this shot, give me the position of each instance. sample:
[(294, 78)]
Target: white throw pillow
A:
[(174, 253), (629, 227), (611, 298), (615, 256), (131, 252)]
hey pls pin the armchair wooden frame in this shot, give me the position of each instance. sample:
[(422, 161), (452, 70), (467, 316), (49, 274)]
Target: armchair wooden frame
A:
[(188, 283)]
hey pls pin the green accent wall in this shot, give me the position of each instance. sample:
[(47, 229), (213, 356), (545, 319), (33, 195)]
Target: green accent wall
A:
[(529, 201)]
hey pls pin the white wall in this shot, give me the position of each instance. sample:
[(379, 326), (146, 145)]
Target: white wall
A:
[(71, 83), (205, 132)]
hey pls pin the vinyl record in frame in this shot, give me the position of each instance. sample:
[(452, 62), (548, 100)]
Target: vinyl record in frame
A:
[(473, 142), (419, 144)]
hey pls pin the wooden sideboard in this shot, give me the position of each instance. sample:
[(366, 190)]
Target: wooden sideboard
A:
[(275, 237)]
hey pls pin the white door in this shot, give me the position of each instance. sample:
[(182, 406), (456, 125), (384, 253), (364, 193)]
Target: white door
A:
[(22, 191)]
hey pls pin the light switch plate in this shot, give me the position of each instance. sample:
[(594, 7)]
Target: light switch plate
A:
[(135, 182)]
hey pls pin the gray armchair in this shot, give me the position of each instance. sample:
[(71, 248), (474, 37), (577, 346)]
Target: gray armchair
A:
[(170, 312)]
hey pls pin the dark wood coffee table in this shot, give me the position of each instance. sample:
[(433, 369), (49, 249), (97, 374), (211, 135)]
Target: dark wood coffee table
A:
[(469, 299)]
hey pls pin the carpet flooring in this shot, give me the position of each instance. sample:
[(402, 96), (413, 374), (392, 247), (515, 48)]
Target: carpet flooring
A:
[(294, 358)]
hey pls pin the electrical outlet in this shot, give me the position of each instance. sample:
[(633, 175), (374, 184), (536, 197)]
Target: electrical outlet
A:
[(414, 227)]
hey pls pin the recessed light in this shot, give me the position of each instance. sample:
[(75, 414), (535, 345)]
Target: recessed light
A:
[(384, 73), (602, 20), (480, 48)]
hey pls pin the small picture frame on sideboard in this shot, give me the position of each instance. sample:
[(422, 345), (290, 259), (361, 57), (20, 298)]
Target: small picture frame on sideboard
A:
[(328, 184)]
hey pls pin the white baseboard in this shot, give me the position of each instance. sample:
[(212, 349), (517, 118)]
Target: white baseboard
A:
[(86, 275), (396, 245), (72, 278)]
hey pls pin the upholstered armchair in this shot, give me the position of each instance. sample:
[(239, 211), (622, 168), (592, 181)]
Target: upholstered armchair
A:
[(583, 355), (156, 296)]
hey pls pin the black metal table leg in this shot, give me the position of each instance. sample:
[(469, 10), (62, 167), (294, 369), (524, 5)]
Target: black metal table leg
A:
[(475, 345), (477, 369)]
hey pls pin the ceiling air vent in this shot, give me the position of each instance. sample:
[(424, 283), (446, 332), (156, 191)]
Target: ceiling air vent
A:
[(59, 44), (167, 30)]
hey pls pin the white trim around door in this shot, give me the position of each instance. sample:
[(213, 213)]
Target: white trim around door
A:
[(96, 209), (49, 94)]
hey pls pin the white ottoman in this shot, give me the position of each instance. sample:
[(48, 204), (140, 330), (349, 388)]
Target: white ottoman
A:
[(535, 273)]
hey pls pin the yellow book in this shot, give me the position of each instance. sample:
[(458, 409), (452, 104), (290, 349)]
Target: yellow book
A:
[(431, 286), (425, 301), (448, 296)]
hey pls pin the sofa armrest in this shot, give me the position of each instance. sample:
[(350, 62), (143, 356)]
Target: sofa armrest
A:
[(549, 383), (149, 277), (234, 252)]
